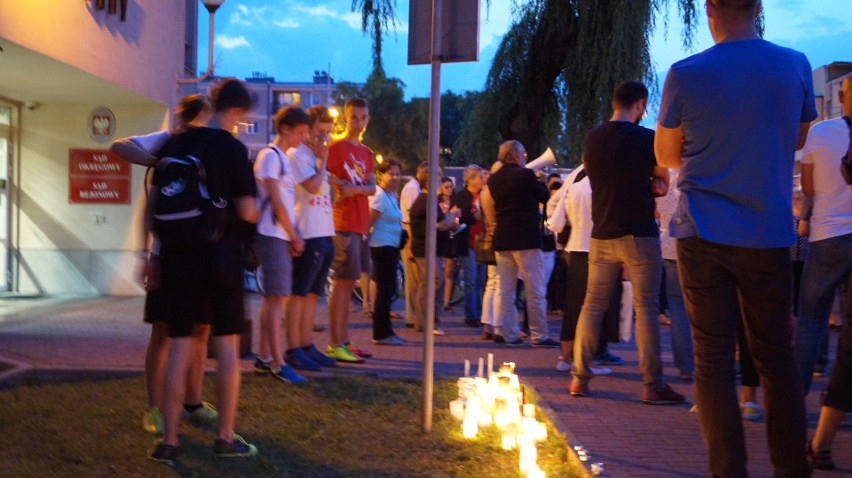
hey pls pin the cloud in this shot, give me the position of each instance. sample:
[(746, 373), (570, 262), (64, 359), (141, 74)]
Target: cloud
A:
[(352, 19), (286, 23), (228, 43), (237, 19)]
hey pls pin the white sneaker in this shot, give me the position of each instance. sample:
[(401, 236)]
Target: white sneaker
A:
[(600, 370), (563, 366)]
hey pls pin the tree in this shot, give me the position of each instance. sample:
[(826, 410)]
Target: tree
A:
[(397, 128), (556, 67), (455, 111)]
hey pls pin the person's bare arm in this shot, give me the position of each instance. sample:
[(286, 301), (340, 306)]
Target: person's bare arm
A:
[(348, 189), (132, 152), (270, 185), (808, 179), (668, 146), (486, 202), (374, 216), (247, 208), (803, 135), (313, 183)]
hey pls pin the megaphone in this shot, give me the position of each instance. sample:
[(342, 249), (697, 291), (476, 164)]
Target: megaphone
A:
[(546, 159)]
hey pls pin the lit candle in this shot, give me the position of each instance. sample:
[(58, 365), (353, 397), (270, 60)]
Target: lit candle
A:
[(526, 465), (490, 364), (469, 428), (467, 368), (484, 419), (529, 452), (540, 431), (535, 472), (457, 410), (479, 370), (529, 410), (508, 441)]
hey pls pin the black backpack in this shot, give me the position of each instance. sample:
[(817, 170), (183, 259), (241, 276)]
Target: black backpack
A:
[(187, 213)]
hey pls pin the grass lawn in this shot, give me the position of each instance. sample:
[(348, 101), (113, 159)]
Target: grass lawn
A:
[(341, 427)]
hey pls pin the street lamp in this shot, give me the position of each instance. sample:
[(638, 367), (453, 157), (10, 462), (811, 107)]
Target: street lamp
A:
[(211, 6)]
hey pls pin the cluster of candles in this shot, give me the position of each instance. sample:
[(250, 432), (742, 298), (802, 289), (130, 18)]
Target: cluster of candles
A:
[(583, 455), (496, 399)]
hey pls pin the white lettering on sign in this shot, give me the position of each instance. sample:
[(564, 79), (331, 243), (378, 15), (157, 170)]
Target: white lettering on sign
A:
[(99, 195), (99, 167)]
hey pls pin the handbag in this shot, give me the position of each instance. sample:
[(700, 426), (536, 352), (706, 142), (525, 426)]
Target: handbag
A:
[(483, 249)]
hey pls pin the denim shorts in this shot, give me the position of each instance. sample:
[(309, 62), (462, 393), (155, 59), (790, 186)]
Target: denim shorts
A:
[(310, 270), (274, 256)]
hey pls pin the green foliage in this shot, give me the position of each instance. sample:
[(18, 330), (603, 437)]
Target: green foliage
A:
[(552, 77), (396, 126), (376, 15), (455, 111), (553, 74)]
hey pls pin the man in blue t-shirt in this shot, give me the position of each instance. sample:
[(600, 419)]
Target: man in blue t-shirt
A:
[(731, 118)]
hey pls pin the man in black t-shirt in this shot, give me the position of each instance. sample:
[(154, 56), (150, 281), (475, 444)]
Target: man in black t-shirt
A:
[(203, 284), (619, 159), (512, 203)]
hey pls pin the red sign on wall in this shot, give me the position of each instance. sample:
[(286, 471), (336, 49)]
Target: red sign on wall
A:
[(97, 176)]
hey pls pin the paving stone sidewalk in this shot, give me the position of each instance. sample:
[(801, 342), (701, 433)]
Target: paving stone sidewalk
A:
[(63, 337)]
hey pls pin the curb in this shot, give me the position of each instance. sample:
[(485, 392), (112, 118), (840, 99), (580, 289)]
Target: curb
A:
[(24, 374), (563, 430)]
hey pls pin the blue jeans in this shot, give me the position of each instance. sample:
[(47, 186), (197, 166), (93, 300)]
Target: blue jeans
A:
[(718, 282), (642, 257), (828, 266), (838, 394), (474, 280), (680, 334)]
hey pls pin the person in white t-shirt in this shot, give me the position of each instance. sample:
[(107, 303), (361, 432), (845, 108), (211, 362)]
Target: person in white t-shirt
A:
[(315, 223), (277, 239), (828, 267)]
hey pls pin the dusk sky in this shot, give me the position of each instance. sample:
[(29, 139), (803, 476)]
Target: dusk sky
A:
[(290, 39)]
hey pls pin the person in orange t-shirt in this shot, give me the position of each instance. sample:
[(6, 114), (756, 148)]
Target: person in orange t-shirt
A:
[(350, 164)]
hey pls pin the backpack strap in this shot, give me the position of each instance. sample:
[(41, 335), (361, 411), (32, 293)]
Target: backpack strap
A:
[(280, 154)]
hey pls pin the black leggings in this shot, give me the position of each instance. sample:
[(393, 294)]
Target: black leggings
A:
[(385, 260)]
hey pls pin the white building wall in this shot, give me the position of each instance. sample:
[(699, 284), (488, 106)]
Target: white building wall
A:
[(143, 54), (76, 248), (86, 248)]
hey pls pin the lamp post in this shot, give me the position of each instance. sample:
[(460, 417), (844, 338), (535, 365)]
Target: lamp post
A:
[(211, 6)]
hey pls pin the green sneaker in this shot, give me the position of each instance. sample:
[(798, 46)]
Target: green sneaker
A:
[(238, 448), (152, 421), (342, 354), (206, 414)]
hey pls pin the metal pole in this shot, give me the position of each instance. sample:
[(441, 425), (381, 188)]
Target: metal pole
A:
[(432, 218), (183, 81)]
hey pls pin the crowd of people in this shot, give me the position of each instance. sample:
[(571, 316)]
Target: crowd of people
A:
[(699, 213)]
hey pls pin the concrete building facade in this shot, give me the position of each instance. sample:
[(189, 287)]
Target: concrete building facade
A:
[(73, 77)]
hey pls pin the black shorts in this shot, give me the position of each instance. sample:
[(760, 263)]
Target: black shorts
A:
[(203, 286), (153, 307)]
